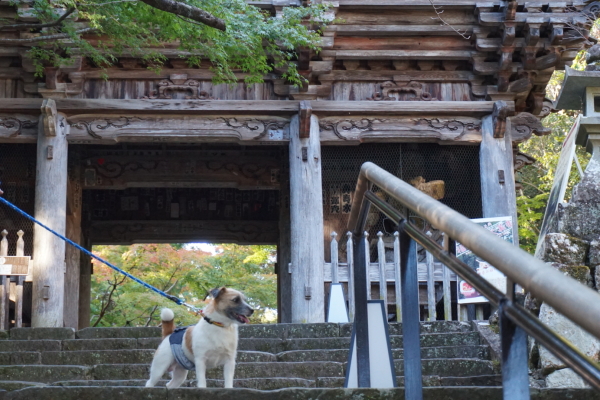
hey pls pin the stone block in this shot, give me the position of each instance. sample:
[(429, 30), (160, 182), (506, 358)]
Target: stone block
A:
[(565, 378), (565, 249), (42, 333), (580, 220), (129, 332), (594, 252), (581, 273), (3, 334), (585, 342), (596, 275)]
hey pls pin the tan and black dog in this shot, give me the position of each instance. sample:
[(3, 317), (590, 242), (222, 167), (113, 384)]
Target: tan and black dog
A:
[(210, 343)]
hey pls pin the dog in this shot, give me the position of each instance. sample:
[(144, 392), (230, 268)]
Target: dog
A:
[(210, 343)]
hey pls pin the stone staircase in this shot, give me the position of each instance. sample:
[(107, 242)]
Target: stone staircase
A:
[(284, 361)]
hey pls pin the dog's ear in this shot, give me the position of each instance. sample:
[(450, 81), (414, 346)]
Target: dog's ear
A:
[(216, 292)]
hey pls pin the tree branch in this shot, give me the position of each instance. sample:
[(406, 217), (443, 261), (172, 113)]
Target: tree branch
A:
[(191, 12), (40, 26), (45, 38)]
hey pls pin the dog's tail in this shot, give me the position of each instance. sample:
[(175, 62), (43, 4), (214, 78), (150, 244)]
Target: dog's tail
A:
[(168, 323)]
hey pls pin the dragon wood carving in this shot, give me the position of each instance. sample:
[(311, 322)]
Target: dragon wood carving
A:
[(179, 82), (415, 88)]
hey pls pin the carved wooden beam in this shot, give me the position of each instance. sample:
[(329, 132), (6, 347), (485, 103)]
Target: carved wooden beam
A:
[(186, 170), (129, 232), (180, 108)]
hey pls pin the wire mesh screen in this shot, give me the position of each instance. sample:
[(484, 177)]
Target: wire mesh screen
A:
[(456, 166), (17, 174)]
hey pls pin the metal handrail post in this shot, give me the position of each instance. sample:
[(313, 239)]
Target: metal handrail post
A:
[(515, 373), (411, 327), (361, 319)]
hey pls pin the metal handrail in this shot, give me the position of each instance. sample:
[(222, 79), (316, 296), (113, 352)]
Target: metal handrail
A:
[(543, 281)]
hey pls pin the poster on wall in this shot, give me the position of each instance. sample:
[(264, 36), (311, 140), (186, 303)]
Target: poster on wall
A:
[(500, 226)]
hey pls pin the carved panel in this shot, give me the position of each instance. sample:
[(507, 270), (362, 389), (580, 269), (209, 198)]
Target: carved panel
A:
[(390, 91), (90, 129), (240, 232), (399, 129), (22, 127), (179, 83)]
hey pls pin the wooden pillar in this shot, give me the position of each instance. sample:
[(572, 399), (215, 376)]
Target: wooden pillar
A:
[(50, 209), (72, 256), (85, 283), (284, 278), (306, 221), (498, 195)]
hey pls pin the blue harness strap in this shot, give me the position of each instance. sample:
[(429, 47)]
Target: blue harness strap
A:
[(176, 341)]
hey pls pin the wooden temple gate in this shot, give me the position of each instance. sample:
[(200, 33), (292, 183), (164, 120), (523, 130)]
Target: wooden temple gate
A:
[(170, 156)]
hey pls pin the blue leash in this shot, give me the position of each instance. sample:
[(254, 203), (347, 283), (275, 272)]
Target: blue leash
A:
[(89, 253)]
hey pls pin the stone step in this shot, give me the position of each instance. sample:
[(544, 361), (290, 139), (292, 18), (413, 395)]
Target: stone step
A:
[(250, 383), (278, 383), (158, 393), (273, 331), (307, 370), (452, 367), (45, 373), (251, 344), (341, 355), (428, 381), (427, 340), (137, 356)]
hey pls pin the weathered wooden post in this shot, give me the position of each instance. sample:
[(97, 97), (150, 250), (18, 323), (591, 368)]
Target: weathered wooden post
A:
[(72, 256), (50, 209), (306, 219)]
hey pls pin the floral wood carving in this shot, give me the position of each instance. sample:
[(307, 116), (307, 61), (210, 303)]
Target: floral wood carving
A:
[(102, 124), (179, 82), (16, 124), (347, 125), (415, 88)]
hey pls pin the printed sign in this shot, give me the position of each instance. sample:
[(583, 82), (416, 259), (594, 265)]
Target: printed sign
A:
[(559, 186), (502, 227), (13, 265)]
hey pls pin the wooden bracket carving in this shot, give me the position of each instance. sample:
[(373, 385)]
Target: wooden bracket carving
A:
[(304, 116), (510, 10), (49, 117), (524, 124), (499, 116)]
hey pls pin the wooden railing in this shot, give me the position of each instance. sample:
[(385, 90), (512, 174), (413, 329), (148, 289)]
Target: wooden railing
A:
[(431, 271), (13, 272)]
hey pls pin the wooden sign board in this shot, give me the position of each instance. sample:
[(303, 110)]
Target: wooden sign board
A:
[(13, 265)]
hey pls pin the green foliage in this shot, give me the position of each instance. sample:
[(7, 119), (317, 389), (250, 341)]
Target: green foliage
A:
[(188, 274), (254, 42), (537, 179)]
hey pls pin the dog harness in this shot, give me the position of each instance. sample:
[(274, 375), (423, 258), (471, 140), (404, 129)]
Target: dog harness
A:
[(176, 340)]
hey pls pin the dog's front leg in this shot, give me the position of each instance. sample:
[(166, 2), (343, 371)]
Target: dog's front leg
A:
[(228, 370), (201, 372)]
